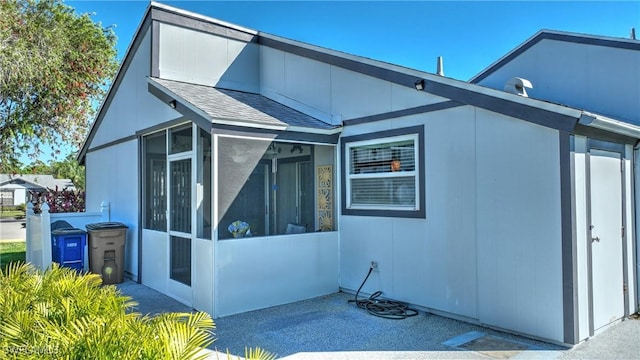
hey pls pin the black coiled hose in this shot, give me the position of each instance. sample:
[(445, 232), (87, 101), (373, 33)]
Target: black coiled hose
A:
[(383, 308)]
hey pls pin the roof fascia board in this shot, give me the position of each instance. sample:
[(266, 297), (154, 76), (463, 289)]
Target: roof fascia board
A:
[(202, 18), (338, 59), (610, 125), (619, 43), (544, 115), (25, 180), (595, 133), (443, 105), (302, 137), (128, 58), (112, 143), (178, 17)]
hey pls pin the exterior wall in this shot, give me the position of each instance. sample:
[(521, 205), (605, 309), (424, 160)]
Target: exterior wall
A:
[(259, 272), (490, 246), (518, 226), (112, 176), (19, 192), (443, 262), (574, 74), (133, 108), (206, 59), (19, 196), (328, 92), (155, 259), (429, 262), (112, 172)]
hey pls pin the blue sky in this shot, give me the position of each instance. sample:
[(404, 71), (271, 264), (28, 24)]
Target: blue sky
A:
[(469, 35)]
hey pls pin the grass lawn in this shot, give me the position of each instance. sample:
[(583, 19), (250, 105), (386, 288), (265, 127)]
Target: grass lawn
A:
[(11, 213), (12, 251)]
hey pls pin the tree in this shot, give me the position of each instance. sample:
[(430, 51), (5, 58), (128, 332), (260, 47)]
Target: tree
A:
[(36, 167), (54, 67), (69, 169)]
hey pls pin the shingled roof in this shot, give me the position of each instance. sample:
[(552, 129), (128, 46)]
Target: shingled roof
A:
[(37, 181), (229, 105)]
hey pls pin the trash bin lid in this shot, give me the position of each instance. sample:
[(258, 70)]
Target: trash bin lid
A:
[(106, 226), (68, 231), (60, 224)]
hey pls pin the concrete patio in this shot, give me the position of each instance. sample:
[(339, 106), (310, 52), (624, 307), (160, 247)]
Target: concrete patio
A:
[(329, 327)]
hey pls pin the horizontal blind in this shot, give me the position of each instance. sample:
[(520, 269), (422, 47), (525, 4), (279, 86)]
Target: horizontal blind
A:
[(383, 174), (394, 191), (379, 158)]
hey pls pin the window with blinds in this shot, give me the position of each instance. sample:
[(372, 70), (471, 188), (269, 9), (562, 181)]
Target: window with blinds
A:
[(382, 173)]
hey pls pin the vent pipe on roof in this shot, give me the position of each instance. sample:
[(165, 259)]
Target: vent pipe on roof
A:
[(518, 86), (439, 67), (633, 33)]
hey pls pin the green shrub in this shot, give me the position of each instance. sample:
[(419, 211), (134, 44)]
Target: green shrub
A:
[(58, 314)]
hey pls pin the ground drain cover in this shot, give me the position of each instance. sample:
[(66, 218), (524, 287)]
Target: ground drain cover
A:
[(488, 345)]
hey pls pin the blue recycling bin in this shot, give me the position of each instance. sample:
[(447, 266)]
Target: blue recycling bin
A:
[(68, 245)]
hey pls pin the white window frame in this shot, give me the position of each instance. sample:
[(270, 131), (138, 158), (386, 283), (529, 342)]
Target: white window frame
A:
[(349, 177)]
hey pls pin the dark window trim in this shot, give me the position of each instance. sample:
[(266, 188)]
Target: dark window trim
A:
[(416, 214)]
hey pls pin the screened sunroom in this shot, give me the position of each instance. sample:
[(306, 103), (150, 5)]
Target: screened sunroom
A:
[(237, 179)]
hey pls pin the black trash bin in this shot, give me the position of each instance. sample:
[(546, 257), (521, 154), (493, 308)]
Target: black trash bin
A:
[(67, 245), (106, 250)]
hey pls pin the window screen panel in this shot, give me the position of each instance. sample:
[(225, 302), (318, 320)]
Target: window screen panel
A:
[(180, 194), (155, 189)]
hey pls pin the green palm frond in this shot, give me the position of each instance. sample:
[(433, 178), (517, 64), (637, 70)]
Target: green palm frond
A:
[(258, 354), (80, 318)]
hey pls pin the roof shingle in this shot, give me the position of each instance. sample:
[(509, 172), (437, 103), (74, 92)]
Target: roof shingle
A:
[(224, 104)]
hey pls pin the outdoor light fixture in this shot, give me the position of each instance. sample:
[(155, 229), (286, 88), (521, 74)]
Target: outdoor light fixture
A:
[(172, 103), (419, 84)]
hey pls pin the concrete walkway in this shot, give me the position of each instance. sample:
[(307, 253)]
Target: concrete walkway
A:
[(329, 327)]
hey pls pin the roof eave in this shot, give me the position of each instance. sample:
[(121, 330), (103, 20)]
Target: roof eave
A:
[(610, 125)]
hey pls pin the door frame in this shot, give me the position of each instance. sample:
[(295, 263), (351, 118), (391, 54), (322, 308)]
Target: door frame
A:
[(593, 144), (175, 288)]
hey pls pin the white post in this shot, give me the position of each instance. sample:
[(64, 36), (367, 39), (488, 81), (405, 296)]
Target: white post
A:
[(105, 210), (28, 232), (46, 236)]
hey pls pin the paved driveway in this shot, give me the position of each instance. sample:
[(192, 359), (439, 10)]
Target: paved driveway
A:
[(329, 327), (12, 230)]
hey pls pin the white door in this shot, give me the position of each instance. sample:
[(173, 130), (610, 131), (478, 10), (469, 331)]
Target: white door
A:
[(606, 238)]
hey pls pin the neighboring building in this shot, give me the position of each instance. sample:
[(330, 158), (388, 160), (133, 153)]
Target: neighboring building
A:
[(596, 73), (14, 189), (601, 75), (208, 122)]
